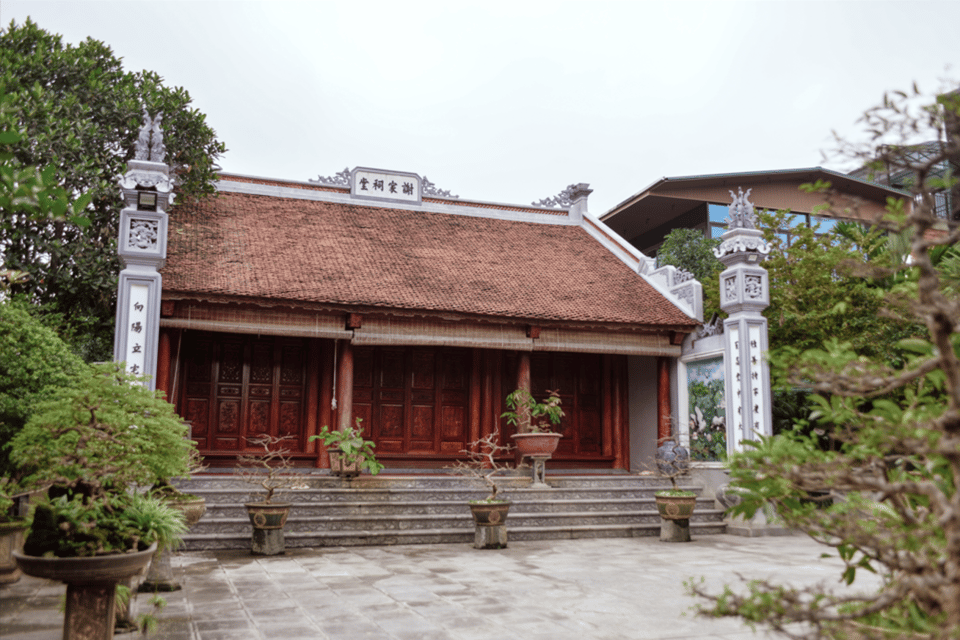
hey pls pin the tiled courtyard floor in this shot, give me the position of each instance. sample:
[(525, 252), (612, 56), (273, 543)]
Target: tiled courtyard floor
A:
[(629, 588)]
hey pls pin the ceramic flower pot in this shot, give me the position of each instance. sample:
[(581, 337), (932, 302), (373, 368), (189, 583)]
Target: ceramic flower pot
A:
[(91, 588), (268, 519), (343, 466), (11, 539), (490, 513), (675, 507), (536, 444)]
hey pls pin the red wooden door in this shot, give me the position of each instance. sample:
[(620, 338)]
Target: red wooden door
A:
[(578, 379), (238, 387), (413, 401)]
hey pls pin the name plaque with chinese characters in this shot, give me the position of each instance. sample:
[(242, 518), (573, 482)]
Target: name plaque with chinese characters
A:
[(137, 328), (377, 184)]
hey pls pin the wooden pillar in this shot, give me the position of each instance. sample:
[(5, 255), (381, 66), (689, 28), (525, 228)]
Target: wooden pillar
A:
[(476, 394), (663, 400), (625, 413), (345, 385), (523, 371), (607, 393), (489, 418), (523, 382), (617, 389), (325, 410), (163, 364), (313, 395)]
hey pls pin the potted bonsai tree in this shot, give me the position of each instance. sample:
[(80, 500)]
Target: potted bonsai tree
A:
[(535, 422), (92, 445), (483, 464), (270, 470), (675, 505), (349, 453)]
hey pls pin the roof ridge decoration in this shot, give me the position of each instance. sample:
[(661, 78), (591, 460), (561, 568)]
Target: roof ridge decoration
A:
[(339, 179), (430, 189), (562, 199), (742, 215), (345, 179)]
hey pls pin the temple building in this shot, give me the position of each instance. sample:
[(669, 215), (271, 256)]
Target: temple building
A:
[(287, 306)]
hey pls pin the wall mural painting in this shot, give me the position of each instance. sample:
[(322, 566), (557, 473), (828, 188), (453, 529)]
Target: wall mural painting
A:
[(705, 392)]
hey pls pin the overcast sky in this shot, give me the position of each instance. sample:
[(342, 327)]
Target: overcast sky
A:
[(512, 101)]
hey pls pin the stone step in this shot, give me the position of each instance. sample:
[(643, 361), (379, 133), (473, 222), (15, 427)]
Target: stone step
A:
[(439, 494), (407, 509), (463, 519), (374, 509), (444, 536)]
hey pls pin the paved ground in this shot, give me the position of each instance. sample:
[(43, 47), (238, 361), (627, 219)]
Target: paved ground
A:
[(628, 588)]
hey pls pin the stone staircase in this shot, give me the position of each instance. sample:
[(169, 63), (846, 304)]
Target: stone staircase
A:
[(406, 508)]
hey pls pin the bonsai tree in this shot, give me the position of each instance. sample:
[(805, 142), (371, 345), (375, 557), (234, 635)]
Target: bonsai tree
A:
[(92, 444), (482, 464), (269, 470), (530, 416), (352, 446)]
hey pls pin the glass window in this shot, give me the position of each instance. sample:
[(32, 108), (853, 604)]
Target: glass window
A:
[(718, 213)]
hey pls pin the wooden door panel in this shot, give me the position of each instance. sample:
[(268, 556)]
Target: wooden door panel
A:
[(417, 397), (260, 388)]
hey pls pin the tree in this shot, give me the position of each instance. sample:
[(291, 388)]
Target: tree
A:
[(692, 251), (818, 289), (80, 112), (894, 471)]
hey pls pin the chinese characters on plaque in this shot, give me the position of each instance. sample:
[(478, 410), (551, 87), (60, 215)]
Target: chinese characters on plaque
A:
[(137, 326), (369, 183), (749, 398)]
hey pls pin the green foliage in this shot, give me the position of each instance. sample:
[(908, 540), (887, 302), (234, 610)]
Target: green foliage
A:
[(531, 416), (816, 291), (34, 362), (351, 444), (885, 392), (103, 433), (689, 249), (75, 111), (73, 525)]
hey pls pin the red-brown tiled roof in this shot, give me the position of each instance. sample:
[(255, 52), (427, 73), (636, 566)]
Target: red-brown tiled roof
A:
[(267, 247)]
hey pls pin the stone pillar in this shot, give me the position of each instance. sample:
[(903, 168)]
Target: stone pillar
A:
[(744, 294), (142, 245)]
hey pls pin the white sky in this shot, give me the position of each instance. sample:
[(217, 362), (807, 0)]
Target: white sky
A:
[(512, 101)]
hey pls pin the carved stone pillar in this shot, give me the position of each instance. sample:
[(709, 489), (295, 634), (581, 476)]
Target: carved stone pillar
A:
[(744, 294), (142, 245)]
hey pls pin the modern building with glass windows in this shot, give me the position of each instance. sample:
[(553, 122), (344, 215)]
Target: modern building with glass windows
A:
[(700, 202)]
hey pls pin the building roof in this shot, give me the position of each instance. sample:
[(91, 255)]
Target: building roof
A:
[(664, 204), (302, 248)]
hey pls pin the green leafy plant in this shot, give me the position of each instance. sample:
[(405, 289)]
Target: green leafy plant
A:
[(530, 416), (92, 444), (352, 446)]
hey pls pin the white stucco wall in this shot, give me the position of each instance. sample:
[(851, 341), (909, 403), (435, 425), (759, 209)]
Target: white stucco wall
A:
[(642, 381)]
